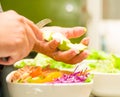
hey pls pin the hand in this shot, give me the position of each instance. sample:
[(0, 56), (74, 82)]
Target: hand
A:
[(17, 37), (50, 48)]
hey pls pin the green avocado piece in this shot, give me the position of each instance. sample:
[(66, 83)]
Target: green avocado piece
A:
[(65, 44)]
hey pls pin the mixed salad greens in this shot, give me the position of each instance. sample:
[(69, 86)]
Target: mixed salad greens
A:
[(43, 61), (100, 61), (36, 74), (43, 69)]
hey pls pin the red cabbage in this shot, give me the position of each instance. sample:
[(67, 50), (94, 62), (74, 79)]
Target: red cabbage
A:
[(76, 77)]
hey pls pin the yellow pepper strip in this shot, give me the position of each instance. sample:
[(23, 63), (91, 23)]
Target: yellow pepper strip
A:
[(49, 78)]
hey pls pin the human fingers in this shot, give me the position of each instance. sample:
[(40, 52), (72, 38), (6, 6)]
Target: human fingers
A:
[(31, 38), (37, 31), (80, 57), (74, 32), (31, 24), (5, 61), (64, 56), (85, 41), (9, 60), (46, 47)]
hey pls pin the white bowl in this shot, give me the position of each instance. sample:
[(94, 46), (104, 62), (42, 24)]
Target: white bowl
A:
[(48, 90), (106, 85)]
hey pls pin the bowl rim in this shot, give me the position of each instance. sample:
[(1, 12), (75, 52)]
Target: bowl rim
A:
[(102, 73)]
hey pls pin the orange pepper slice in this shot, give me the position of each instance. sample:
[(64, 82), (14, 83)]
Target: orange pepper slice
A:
[(36, 72)]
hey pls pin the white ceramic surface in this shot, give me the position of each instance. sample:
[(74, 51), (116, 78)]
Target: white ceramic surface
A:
[(48, 90), (106, 85)]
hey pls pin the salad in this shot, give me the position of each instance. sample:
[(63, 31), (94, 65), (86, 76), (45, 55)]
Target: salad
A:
[(100, 61), (43, 69), (43, 61), (36, 74)]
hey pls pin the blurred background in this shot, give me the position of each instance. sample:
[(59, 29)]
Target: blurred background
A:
[(104, 25), (100, 17), (61, 12)]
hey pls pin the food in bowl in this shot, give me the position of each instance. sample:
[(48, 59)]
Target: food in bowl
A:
[(106, 70), (54, 84), (48, 90), (36, 74), (35, 80), (100, 61), (43, 61)]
